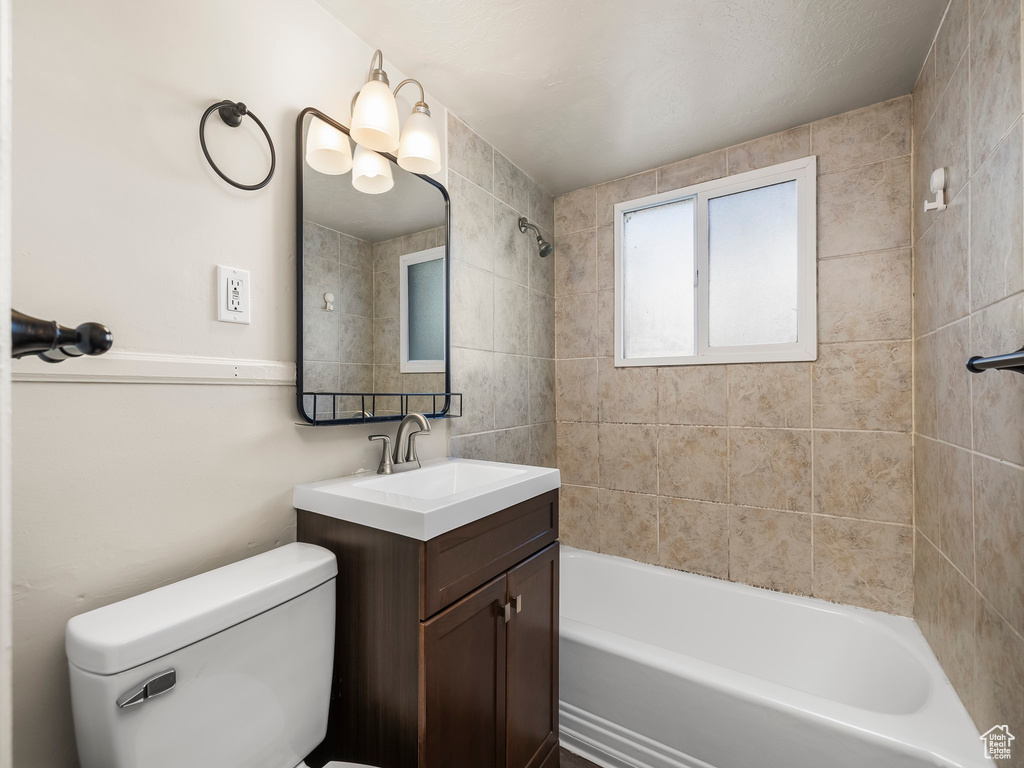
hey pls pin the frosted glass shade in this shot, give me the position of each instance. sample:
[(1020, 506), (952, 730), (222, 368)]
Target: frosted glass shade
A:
[(371, 173), (420, 151), (327, 148), (375, 118)]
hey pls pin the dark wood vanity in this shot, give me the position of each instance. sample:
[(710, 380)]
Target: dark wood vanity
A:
[(446, 651)]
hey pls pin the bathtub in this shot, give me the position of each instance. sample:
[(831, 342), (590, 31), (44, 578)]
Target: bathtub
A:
[(664, 669)]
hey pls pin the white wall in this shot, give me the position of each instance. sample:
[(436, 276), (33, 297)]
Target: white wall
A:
[(5, 384), (121, 487)]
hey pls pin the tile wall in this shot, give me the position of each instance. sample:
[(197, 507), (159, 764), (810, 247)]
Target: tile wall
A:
[(969, 456), (796, 477), (503, 307)]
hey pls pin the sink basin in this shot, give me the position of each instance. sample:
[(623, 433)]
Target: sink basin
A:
[(423, 503)]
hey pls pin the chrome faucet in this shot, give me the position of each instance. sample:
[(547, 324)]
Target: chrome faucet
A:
[(404, 456)]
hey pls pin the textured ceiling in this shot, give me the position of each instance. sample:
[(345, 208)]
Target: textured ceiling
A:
[(577, 92)]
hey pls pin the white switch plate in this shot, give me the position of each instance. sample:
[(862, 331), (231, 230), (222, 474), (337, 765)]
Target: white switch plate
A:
[(233, 295)]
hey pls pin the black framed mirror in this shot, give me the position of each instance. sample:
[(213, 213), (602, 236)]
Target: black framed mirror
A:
[(373, 266)]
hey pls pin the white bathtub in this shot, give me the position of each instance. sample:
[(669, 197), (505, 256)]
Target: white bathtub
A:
[(661, 668)]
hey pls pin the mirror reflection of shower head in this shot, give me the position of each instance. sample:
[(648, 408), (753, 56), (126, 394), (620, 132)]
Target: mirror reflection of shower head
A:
[(544, 247)]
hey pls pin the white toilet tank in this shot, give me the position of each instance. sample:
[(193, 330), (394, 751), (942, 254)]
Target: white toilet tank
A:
[(251, 648)]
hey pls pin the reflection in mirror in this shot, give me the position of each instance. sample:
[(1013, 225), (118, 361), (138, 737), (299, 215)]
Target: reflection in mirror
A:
[(374, 281)]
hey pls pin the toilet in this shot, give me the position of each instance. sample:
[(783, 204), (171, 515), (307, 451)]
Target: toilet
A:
[(228, 669)]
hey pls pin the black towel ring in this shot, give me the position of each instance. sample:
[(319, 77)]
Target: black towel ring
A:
[(232, 113)]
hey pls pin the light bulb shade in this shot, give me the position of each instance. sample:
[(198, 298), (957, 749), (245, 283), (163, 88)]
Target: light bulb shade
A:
[(375, 118), (371, 173), (327, 148), (420, 151)]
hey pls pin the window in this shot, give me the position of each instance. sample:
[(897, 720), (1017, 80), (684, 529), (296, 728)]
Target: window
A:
[(421, 318), (720, 272)]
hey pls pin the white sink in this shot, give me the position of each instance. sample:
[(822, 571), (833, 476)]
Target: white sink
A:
[(423, 503)]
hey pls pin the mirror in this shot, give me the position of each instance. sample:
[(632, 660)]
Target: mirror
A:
[(373, 282)]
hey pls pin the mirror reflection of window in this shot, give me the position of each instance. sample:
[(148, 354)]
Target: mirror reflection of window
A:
[(421, 324)]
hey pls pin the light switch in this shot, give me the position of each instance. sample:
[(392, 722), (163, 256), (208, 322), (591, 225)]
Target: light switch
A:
[(233, 295)]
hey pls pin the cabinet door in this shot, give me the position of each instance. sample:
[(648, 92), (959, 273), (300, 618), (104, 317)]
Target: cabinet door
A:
[(532, 729), (463, 668)]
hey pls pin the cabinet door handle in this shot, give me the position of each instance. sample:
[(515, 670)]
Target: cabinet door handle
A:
[(507, 608), (519, 603)]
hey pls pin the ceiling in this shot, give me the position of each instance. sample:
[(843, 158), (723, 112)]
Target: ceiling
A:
[(577, 92)]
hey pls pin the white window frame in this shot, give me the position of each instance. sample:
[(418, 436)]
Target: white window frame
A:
[(405, 364), (804, 172)]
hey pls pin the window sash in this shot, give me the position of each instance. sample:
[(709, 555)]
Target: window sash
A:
[(405, 364), (804, 173)]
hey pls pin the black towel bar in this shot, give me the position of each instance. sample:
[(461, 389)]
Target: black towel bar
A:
[(54, 343), (1011, 362)]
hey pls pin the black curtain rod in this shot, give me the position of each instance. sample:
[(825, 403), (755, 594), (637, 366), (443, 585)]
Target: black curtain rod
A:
[(55, 343)]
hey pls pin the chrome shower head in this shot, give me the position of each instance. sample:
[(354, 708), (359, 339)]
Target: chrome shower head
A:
[(543, 246)]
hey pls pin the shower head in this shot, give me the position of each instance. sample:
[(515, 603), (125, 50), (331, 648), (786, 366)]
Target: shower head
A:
[(543, 246)]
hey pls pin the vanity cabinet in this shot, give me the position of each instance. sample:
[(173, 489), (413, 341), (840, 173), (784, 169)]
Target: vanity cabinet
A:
[(446, 651)]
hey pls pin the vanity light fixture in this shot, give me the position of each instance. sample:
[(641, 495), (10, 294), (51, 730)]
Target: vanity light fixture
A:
[(327, 148), (375, 124), (371, 172)]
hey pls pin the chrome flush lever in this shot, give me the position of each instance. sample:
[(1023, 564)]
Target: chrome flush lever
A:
[(161, 683)]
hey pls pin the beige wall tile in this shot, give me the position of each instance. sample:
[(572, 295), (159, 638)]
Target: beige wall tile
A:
[(543, 445), (940, 274), (606, 324), (575, 211), (694, 536), (472, 307), (925, 93), (691, 394), (620, 191), (997, 397), (473, 376), (999, 536), (472, 223), (956, 647), (578, 517), (542, 207), (693, 462), (770, 549), (694, 170), (951, 40), (385, 294), (479, 446), (576, 389), (512, 446), (578, 453), (627, 394), (542, 390), (512, 249), (511, 391), (386, 341), (468, 154), (864, 209), (606, 258), (863, 386), (770, 395), (945, 144), (868, 135), (629, 457), (542, 270), (944, 507), (864, 563), (356, 339), (864, 475), (928, 563), (770, 468), (770, 150), (997, 224), (865, 298), (511, 317), (628, 525), (542, 325), (942, 385), (576, 326), (511, 185), (998, 672), (995, 76), (576, 263)]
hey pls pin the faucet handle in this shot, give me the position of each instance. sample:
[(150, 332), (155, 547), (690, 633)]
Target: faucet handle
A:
[(386, 465), (410, 454)]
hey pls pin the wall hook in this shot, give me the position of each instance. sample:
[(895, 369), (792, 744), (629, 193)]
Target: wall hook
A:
[(232, 112), (939, 180)]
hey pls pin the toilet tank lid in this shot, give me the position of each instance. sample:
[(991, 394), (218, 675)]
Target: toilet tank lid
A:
[(123, 635)]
